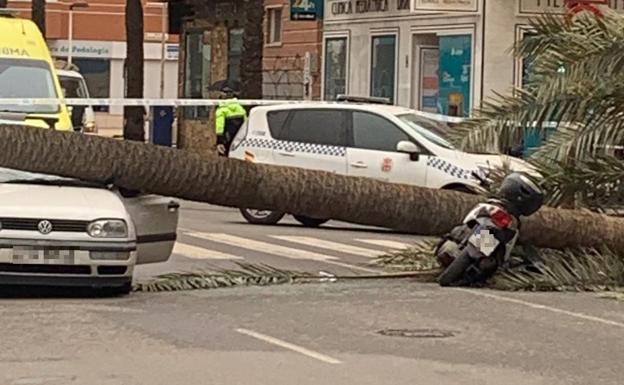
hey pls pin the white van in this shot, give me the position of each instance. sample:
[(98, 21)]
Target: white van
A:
[(75, 87)]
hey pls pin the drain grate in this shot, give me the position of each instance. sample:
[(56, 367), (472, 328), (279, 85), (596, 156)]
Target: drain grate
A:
[(417, 333)]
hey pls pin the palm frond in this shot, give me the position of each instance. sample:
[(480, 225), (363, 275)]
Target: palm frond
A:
[(416, 258), (568, 270), (247, 275)]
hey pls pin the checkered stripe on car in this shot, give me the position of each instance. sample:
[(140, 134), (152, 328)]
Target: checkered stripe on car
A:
[(449, 168), (308, 148)]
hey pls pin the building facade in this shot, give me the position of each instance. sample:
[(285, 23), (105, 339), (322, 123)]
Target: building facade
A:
[(99, 48), (442, 56)]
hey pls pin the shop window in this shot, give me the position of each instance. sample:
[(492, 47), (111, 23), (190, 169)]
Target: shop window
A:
[(335, 67), (372, 132), (326, 127), (96, 73), (383, 66), (275, 25), (526, 63), (235, 52), (455, 75), (197, 72)]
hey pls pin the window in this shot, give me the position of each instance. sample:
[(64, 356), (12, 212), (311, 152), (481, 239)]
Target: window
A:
[(383, 66), (235, 52), (335, 67), (277, 120), (73, 87), (96, 73), (275, 25), (527, 62), (430, 130), (27, 79), (373, 132), (197, 71), (316, 126)]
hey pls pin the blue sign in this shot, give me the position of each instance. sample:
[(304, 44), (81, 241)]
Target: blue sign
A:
[(454, 75), (306, 9)]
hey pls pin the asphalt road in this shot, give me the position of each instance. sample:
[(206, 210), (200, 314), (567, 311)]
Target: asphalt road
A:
[(309, 334)]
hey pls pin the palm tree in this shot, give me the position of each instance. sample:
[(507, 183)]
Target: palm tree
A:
[(576, 88), (253, 40), (3, 3), (317, 194), (134, 116), (38, 14)]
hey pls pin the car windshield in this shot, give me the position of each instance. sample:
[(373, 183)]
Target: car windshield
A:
[(427, 128), (73, 87), (24, 78), (8, 175)]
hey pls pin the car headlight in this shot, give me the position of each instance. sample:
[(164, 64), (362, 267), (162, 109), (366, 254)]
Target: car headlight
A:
[(108, 228)]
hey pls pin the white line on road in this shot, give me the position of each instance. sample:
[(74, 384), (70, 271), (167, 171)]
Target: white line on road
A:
[(194, 252), (268, 248), (289, 346), (335, 246), (386, 243), (545, 307)]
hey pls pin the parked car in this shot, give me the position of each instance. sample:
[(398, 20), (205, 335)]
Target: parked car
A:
[(75, 87), (389, 143), (65, 232)]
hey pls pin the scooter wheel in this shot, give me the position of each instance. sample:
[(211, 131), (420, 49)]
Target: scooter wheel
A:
[(455, 271)]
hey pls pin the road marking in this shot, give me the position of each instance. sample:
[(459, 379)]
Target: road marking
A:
[(335, 246), (194, 252), (544, 307), (289, 346), (386, 243), (282, 251)]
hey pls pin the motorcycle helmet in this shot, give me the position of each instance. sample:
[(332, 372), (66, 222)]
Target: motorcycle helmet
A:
[(521, 192)]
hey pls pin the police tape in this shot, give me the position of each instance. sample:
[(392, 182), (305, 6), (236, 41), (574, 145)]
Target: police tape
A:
[(129, 102)]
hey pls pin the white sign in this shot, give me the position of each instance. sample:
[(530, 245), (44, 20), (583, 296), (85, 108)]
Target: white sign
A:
[(533, 7), (172, 52), (82, 49), (469, 6), (155, 36)]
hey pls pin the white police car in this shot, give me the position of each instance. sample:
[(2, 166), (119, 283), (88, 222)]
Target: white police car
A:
[(385, 142)]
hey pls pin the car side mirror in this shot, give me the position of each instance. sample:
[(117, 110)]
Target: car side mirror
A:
[(410, 148)]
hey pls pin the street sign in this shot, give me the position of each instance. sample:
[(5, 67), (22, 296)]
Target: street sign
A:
[(306, 10)]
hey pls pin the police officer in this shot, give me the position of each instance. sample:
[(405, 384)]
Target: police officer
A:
[(230, 116)]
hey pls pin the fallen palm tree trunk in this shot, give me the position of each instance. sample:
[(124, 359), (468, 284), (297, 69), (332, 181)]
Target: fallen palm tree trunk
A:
[(232, 183)]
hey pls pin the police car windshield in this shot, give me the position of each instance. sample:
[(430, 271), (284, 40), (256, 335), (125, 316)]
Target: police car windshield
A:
[(427, 128), (24, 78)]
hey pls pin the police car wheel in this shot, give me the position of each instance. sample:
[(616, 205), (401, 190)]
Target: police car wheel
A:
[(309, 222), (262, 217)]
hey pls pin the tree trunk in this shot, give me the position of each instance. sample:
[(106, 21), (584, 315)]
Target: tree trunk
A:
[(253, 41), (3, 3), (170, 172), (38, 15), (134, 122)]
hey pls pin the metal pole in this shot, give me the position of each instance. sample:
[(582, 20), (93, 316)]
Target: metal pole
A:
[(71, 33), (162, 52)]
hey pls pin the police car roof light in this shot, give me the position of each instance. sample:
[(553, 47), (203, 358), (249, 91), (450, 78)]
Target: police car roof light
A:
[(363, 99)]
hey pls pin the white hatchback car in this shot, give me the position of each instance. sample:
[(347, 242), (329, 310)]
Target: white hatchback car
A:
[(64, 232), (75, 87), (385, 142)]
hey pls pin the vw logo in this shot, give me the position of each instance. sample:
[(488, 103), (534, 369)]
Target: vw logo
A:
[(45, 227)]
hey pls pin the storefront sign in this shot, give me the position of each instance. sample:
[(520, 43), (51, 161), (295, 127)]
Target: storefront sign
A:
[(446, 5), (306, 9), (348, 7), (172, 52), (81, 49), (532, 7)]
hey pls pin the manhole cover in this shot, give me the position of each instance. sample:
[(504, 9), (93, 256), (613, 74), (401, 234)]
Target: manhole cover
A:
[(417, 333)]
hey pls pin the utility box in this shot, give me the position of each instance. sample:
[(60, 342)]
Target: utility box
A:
[(161, 125)]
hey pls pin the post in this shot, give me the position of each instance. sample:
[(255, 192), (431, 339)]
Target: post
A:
[(162, 51), (70, 35)]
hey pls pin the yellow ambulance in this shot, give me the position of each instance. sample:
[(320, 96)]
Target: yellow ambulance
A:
[(27, 71)]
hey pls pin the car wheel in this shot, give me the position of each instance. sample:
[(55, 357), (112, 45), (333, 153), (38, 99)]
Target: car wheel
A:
[(309, 222), (262, 217)]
